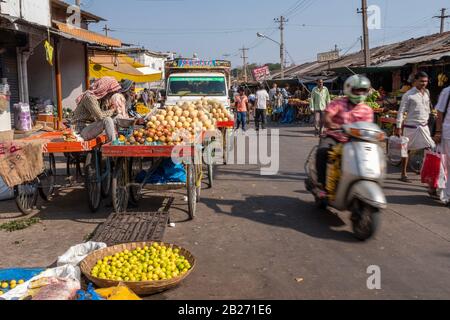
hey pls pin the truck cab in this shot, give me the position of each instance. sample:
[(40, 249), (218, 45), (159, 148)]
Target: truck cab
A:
[(191, 80)]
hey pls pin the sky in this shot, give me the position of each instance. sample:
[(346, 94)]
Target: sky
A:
[(215, 29)]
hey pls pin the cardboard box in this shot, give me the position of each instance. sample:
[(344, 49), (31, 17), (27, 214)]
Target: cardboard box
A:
[(6, 135), (45, 118)]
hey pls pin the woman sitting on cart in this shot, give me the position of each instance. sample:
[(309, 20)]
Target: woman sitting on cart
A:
[(88, 119)]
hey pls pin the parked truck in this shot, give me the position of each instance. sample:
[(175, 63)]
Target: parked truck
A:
[(191, 79)]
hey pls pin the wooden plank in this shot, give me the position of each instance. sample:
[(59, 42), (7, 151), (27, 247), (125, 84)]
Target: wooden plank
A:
[(225, 125), (109, 150)]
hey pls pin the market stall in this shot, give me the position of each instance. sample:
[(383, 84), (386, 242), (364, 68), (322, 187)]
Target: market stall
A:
[(165, 152), (302, 109)]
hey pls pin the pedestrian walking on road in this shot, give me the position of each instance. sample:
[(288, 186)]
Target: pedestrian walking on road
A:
[(252, 105), (417, 103), (277, 106), (262, 99), (273, 92), (241, 102), (320, 99), (442, 134)]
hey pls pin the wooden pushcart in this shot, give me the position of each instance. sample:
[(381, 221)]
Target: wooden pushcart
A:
[(96, 171), (130, 161)]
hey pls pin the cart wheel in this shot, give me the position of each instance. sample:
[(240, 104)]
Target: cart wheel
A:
[(135, 190), (106, 177), (47, 179), (93, 181), (120, 190), (191, 191), (26, 197)]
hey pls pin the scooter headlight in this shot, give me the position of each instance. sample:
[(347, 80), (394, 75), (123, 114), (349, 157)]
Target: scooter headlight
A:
[(367, 135)]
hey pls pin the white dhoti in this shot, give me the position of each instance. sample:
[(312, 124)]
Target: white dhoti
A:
[(445, 194), (419, 138)]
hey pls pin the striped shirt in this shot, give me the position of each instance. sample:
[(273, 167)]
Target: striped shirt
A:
[(87, 112)]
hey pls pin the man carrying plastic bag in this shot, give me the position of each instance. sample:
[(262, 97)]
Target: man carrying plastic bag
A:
[(442, 136)]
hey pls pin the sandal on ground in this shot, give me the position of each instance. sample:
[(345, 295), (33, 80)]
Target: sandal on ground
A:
[(405, 180)]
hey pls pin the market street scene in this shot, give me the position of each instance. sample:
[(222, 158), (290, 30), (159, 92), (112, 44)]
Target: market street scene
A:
[(300, 153)]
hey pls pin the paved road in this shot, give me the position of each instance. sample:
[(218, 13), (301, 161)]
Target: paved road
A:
[(255, 235)]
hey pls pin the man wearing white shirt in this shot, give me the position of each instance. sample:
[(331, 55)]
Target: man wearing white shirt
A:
[(417, 104), (262, 99), (442, 134)]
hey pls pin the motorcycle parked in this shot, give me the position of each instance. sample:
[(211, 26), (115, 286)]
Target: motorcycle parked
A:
[(363, 170)]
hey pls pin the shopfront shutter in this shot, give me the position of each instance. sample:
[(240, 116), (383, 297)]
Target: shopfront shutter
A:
[(8, 63)]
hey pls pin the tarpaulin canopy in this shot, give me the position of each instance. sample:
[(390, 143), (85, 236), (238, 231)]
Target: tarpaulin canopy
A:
[(120, 66)]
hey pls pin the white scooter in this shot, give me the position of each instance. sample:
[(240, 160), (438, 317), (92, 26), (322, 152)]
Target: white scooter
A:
[(362, 174)]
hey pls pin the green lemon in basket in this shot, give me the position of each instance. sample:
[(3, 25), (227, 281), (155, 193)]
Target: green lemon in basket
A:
[(146, 248), (126, 279), (5, 285)]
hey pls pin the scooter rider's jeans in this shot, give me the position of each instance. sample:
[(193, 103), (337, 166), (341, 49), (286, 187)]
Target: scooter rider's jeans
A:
[(322, 159)]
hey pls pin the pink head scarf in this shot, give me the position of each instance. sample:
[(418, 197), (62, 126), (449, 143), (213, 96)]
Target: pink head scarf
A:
[(101, 88)]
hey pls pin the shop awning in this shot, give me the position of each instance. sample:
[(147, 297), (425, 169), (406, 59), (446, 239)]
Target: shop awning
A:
[(120, 66), (413, 60), (88, 36)]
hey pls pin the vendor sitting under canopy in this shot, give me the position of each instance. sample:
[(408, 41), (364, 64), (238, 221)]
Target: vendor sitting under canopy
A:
[(88, 119)]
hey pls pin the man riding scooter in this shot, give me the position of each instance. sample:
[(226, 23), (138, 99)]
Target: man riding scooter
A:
[(343, 111), (351, 149)]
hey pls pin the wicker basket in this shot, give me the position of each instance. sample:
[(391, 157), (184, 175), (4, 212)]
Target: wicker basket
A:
[(140, 288)]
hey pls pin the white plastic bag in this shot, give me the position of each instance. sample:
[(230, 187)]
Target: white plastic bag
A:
[(77, 253), (398, 147), (65, 272)]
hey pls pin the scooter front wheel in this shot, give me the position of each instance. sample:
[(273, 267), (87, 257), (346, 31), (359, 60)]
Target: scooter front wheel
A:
[(365, 220)]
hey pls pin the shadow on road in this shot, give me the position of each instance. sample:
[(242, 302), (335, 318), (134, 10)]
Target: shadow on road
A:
[(288, 176), (285, 212), (409, 200)]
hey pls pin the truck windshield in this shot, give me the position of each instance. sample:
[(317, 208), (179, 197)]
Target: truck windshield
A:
[(197, 86)]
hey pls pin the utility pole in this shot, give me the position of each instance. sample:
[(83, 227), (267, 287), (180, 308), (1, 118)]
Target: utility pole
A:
[(244, 58), (365, 32), (106, 29), (282, 20), (442, 17), (362, 43), (78, 3)]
